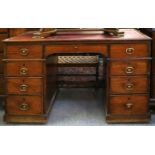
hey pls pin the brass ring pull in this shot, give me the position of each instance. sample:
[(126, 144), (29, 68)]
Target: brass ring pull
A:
[(129, 105), (24, 51), (23, 87), (129, 86), (129, 70), (24, 106), (23, 71), (130, 51)]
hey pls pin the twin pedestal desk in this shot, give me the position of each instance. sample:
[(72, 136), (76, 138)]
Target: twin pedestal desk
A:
[(30, 66)]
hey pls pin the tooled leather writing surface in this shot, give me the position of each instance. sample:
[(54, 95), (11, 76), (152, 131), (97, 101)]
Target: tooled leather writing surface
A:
[(130, 34)]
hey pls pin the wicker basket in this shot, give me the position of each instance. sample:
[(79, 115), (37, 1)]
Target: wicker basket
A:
[(77, 59)]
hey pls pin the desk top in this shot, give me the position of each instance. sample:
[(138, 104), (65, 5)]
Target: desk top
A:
[(129, 34)]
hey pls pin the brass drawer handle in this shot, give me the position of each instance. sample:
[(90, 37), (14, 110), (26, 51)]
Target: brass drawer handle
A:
[(130, 51), (129, 105), (23, 71), (129, 70), (24, 51), (129, 86), (24, 106), (23, 87), (76, 47)]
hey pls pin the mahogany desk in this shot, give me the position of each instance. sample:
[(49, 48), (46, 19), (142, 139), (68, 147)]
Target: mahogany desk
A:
[(31, 67)]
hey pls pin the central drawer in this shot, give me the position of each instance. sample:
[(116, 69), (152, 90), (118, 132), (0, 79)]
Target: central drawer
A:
[(24, 68), (133, 67), (76, 48), (24, 105), (124, 84), (24, 52), (24, 85), (127, 104)]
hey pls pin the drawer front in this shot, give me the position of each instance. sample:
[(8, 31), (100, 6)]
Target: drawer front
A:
[(24, 105), (129, 50), (2, 37), (76, 48), (24, 85), (121, 105), (1, 64), (134, 84), (31, 68), (3, 30), (24, 52), (136, 67), (1, 85)]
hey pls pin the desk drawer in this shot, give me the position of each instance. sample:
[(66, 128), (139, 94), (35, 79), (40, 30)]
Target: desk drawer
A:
[(129, 50), (24, 105), (24, 52), (24, 68), (24, 85), (135, 67), (134, 84), (76, 48), (1, 64), (126, 105)]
